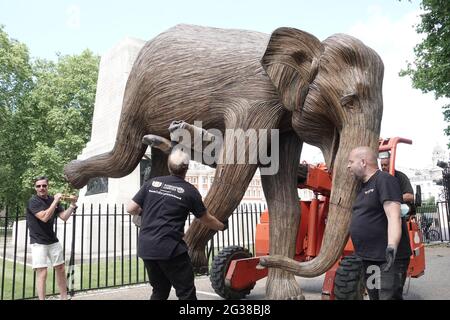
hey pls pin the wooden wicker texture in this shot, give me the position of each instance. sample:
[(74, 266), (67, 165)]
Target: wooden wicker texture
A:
[(326, 94)]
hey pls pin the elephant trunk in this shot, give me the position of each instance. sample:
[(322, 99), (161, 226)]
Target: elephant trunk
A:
[(340, 210)]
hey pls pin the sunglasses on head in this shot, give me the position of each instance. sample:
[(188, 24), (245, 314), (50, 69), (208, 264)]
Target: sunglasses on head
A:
[(41, 186)]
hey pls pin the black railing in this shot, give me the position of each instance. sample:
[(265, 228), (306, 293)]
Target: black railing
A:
[(103, 254), (99, 245)]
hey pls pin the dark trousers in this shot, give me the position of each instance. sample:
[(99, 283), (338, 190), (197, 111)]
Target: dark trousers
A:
[(176, 272), (388, 285)]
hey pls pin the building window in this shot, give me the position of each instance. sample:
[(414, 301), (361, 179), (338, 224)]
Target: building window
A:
[(96, 186), (204, 179)]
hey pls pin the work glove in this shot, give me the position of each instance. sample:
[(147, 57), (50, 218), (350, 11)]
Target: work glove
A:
[(137, 219), (225, 225), (390, 257)]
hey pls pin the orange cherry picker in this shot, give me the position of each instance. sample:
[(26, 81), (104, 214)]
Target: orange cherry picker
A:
[(234, 271)]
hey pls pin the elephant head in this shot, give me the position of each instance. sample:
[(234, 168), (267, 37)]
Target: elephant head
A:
[(342, 109)]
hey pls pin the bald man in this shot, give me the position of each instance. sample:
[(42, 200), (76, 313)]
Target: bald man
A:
[(378, 233), (164, 204)]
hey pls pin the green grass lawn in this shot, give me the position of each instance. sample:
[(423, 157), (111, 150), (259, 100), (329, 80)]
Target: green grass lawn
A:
[(87, 276), (101, 275), (2, 232)]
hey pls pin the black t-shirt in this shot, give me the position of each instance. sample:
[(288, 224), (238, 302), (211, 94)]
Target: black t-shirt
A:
[(405, 184), (166, 202), (41, 232), (369, 225)]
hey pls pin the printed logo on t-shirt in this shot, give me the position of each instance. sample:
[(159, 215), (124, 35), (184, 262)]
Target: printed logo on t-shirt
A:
[(369, 191), (180, 190), (156, 184), (173, 188), (168, 187)]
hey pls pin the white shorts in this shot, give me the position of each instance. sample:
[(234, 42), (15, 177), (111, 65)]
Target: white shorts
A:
[(45, 255)]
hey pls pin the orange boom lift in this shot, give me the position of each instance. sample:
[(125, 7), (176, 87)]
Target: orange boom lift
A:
[(234, 271)]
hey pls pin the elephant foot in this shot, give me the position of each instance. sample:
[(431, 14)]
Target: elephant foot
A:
[(73, 174), (299, 297), (199, 260), (282, 285)]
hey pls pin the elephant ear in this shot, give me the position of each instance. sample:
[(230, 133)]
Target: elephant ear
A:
[(291, 61)]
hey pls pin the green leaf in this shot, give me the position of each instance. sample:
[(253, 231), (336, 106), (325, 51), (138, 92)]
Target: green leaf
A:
[(46, 113)]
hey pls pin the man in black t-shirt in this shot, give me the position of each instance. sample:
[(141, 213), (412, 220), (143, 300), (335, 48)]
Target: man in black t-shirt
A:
[(405, 184), (42, 210), (379, 235), (164, 204)]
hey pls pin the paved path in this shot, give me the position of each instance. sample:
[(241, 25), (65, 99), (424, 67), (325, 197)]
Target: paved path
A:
[(435, 284)]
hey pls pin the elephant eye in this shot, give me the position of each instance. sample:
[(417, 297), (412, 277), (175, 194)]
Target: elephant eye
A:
[(350, 101)]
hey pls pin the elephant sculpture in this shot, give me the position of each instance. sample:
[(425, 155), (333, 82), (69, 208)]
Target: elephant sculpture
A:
[(327, 94)]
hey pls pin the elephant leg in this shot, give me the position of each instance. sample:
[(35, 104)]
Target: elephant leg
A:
[(120, 161), (229, 186), (284, 215), (232, 178), (128, 148)]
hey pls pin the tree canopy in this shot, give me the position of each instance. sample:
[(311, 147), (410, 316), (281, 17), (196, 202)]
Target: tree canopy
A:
[(430, 72), (46, 113)]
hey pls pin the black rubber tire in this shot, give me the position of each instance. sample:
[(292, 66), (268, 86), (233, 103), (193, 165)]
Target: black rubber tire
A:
[(349, 280), (219, 268), (433, 235)]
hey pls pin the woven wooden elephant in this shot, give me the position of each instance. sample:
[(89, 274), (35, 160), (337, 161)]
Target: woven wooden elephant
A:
[(327, 94)]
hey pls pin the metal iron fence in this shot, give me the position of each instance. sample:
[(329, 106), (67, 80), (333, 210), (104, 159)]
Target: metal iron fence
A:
[(99, 245)]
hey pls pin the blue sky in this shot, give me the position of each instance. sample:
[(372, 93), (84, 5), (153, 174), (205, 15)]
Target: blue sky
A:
[(70, 26)]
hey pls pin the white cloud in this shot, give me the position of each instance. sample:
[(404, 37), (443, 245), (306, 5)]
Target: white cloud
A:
[(407, 112)]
